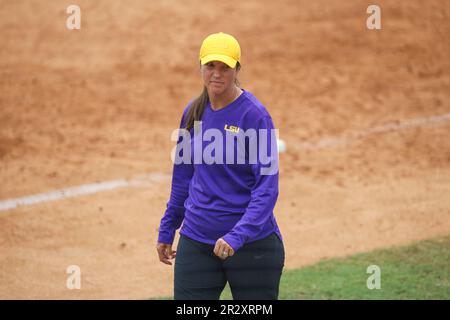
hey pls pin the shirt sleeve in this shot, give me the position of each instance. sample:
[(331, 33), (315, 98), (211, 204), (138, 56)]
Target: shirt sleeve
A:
[(174, 214), (264, 193)]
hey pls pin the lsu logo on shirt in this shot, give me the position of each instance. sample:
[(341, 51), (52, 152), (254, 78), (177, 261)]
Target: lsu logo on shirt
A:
[(234, 129)]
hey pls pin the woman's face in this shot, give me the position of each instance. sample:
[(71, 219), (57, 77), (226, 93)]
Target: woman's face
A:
[(218, 77)]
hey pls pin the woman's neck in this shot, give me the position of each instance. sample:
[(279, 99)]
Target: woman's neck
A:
[(221, 101)]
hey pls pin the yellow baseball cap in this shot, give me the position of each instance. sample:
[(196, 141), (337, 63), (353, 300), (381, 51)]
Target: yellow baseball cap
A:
[(220, 47)]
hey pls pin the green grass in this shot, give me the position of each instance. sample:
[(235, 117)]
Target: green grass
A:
[(418, 271)]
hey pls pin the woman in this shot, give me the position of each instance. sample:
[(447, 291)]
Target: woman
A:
[(229, 231)]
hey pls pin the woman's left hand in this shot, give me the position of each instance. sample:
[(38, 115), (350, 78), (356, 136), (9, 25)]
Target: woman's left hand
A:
[(222, 249)]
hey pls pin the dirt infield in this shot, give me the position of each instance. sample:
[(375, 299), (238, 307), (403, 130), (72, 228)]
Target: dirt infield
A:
[(100, 103)]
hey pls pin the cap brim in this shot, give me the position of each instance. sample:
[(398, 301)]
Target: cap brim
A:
[(218, 57)]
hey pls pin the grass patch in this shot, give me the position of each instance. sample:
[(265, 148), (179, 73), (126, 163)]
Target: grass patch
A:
[(419, 271)]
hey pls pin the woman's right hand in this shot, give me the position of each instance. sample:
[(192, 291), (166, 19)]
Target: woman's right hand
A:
[(165, 252)]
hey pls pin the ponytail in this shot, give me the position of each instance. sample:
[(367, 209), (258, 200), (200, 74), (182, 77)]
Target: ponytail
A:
[(195, 111)]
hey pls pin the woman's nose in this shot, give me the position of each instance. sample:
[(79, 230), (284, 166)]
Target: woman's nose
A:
[(216, 73)]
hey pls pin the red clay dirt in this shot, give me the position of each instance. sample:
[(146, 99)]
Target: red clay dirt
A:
[(100, 103)]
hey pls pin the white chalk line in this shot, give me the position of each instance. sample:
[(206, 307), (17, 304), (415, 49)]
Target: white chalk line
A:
[(138, 181), (151, 178), (350, 137)]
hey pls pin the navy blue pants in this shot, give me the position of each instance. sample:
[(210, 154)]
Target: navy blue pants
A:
[(253, 272)]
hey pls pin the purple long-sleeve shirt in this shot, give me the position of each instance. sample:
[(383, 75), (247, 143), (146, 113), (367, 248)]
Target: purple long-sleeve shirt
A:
[(215, 199)]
